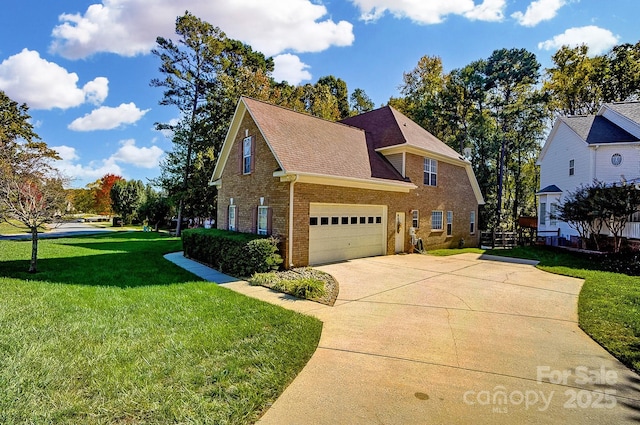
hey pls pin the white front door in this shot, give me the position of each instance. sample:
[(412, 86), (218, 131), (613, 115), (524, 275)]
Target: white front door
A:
[(400, 228)]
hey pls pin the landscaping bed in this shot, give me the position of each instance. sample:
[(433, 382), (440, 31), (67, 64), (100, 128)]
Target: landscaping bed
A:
[(302, 282)]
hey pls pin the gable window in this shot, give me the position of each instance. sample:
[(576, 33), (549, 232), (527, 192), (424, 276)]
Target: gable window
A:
[(415, 222), (430, 172), (543, 213), (572, 168), (263, 220), (247, 157), (232, 217), (472, 222), (449, 223), (436, 220)]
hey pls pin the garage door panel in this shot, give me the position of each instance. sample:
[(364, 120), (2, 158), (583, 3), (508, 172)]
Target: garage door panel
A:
[(341, 232)]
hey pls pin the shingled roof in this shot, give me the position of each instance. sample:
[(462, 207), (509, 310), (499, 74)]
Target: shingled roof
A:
[(389, 128), (596, 129), (630, 110), (302, 143)]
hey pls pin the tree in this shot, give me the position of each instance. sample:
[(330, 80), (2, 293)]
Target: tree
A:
[(616, 204), (126, 196), (31, 189), (622, 77), (575, 82), (101, 190), (511, 75), (155, 207), (360, 102), (81, 200), (338, 88), (200, 72), (579, 212)]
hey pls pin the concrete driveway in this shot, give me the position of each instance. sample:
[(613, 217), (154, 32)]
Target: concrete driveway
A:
[(417, 339)]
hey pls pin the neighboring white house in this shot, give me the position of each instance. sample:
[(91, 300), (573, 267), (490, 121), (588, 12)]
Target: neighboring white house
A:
[(582, 149)]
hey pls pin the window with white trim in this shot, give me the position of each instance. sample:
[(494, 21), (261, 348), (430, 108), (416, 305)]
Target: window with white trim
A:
[(430, 172), (436, 220), (232, 218), (572, 168), (543, 213), (246, 155), (263, 220), (415, 222), (449, 223), (472, 222)]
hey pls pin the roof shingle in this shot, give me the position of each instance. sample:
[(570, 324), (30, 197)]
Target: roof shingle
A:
[(596, 129), (306, 144)]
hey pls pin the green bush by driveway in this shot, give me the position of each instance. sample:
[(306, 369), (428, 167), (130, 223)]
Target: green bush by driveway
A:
[(111, 332)]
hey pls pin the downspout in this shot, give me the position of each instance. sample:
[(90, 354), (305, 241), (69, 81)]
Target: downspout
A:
[(290, 245)]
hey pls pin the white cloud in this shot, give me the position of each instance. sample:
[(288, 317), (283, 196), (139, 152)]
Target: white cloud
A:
[(488, 10), (27, 78), (598, 39), (69, 166), (432, 11), (130, 27), (129, 153), (538, 11), (107, 118), (97, 90), (290, 68)]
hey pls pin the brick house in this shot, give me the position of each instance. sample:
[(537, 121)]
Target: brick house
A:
[(374, 184)]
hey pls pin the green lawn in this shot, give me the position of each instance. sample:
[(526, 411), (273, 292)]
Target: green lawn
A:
[(13, 229), (110, 332), (608, 305)]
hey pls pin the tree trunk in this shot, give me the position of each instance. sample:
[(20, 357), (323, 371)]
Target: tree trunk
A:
[(33, 266)]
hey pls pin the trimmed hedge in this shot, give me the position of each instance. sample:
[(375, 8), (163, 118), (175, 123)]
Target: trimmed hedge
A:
[(237, 254)]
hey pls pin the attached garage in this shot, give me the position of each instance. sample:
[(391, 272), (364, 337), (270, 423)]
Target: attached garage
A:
[(344, 231)]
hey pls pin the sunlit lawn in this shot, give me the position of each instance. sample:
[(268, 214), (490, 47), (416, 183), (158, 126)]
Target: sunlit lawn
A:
[(109, 331), (13, 228), (608, 305)]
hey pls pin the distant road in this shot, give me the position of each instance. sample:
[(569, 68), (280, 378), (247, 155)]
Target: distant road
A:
[(63, 230)]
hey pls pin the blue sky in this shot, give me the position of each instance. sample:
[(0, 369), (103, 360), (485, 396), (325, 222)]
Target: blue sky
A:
[(84, 66)]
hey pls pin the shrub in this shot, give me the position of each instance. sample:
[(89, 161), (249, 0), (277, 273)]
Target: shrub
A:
[(291, 283), (237, 254), (308, 288)]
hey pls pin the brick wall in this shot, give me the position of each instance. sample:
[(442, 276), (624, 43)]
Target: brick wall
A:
[(246, 190), (452, 193)]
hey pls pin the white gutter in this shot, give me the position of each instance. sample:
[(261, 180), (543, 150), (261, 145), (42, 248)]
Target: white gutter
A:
[(290, 243)]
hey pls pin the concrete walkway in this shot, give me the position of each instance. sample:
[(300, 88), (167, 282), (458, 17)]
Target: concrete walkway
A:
[(417, 339)]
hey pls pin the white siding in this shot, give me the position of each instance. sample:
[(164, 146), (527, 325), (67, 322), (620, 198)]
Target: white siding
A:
[(607, 172), (554, 166), (397, 160)]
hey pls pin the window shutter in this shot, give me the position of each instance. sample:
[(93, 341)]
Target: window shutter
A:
[(269, 220), (240, 168), (227, 218), (254, 220), (253, 153)]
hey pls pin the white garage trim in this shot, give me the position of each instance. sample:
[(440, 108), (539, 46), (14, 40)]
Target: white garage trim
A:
[(344, 231)]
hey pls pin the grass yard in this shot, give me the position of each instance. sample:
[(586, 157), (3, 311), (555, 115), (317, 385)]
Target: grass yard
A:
[(14, 229), (110, 332), (608, 305)]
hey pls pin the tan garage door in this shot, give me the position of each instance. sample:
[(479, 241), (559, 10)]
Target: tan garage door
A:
[(344, 231)]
